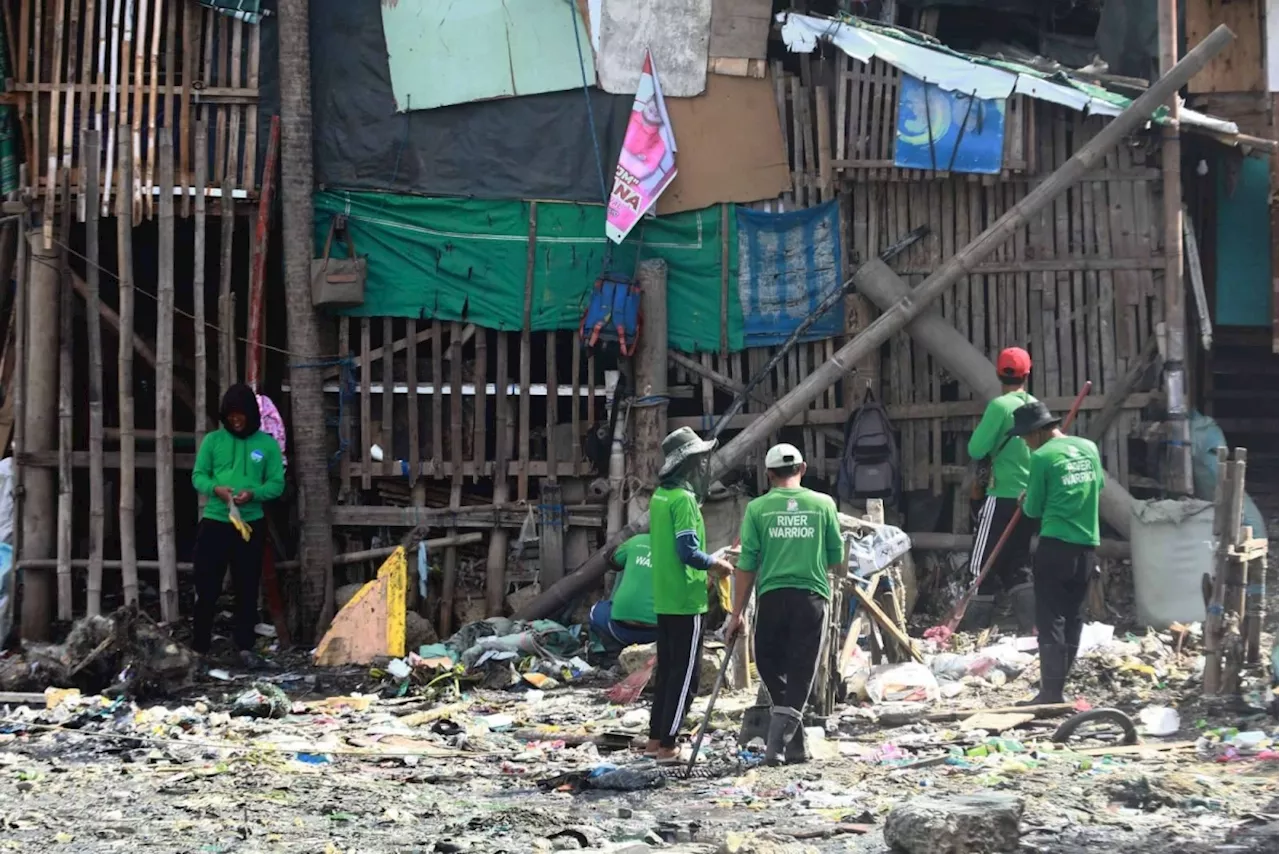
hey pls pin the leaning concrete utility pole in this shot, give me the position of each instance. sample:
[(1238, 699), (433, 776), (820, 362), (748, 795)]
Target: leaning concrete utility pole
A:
[(966, 363), (650, 406), (899, 315), (307, 395)]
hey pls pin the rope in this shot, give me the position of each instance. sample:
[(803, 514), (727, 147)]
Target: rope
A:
[(153, 297), (591, 115)]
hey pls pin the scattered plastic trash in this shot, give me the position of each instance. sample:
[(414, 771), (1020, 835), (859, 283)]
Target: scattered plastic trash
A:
[(399, 668), (908, 681), (263, 700), (1095, 636), (1159, 720), (497, 723)]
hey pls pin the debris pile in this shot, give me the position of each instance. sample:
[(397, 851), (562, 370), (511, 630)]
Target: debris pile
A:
[(124, 653)]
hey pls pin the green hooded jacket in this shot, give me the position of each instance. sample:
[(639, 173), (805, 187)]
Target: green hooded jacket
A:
[(248, 460)]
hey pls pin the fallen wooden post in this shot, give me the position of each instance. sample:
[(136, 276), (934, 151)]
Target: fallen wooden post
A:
[(886, 623), (898, 316)]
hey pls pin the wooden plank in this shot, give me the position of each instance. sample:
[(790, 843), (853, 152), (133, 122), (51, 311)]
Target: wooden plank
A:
[(91, 147), (226, 348), (191, 53), (118, 56), (844, 83), (575, 367), (55, 144), (455, 403), (222, 46), (148, 199), (437, 398), (235, 111), (885, 623), (345, 443), (1124, 283), (75, 83), (480, 375), (169, 84), (780, 97), (198, 289), (1051, 382), (450, 581), (1080, 306), (1240, 66), (124, 264), (388, 412), (553, 405), (366, 407), (138, 110), (522, 481), (166, 529), (411, 378), (251, 111)]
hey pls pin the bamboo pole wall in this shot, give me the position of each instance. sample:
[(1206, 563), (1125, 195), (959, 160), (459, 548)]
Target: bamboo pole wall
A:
[(131, 69)]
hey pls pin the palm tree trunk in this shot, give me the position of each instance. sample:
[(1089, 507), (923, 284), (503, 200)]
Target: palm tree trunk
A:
[(307, 395)]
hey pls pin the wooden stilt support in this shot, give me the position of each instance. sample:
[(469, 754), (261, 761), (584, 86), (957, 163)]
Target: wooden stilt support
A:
[(66, 365), (166, 523), (198, 285), (92, 153), (124, 256)]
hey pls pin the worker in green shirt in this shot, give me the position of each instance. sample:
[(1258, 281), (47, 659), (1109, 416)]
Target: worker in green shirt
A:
[(1063, 487), (790, 542), (627, 618), (1003, 463), (677, 538), (237, 465)]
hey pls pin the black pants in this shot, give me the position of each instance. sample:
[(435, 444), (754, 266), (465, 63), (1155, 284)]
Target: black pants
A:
[(676, 674), (790, 624), (991, 517), (217, 545), (1062, 572)]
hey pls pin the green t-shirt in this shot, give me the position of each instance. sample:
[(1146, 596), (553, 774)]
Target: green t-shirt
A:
[(633, 594), (1063, 488), (1009, 467), (677, 588), (789, 538)]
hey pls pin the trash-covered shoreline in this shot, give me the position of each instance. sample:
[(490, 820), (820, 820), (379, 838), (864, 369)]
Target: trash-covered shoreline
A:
[(503, 738)]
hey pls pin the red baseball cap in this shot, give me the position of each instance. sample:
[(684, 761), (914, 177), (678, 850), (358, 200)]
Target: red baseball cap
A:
[(1014, 363)]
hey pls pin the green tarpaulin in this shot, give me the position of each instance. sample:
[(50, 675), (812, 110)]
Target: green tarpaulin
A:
[(465, 259)]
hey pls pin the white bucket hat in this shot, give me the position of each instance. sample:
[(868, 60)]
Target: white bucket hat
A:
[(679, 446)]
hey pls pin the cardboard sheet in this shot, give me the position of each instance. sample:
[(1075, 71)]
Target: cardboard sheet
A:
[(731, 147), (676, 32)]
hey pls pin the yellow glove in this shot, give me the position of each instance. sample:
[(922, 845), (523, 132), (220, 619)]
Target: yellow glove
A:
[(233, 514), (726, 594)]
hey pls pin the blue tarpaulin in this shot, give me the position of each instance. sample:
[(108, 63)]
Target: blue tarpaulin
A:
[(786, 264)]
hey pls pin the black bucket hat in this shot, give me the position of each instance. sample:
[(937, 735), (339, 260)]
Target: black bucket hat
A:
[(1031, 417)]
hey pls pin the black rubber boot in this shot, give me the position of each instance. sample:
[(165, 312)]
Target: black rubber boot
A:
[(1023, 597), (797, 750), (1053, 677), (782, 728), (979, 614)]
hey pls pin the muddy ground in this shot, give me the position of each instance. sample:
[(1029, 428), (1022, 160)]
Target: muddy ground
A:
[(394, 768), (411, 774)]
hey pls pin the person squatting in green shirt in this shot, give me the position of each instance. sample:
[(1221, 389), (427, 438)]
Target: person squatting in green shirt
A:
[(236, 464), (679, 564), (628, 618), (790, 542), (1063, 488), (1006, 460)]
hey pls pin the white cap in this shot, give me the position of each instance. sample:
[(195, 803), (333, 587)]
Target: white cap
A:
[(782, 456)]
